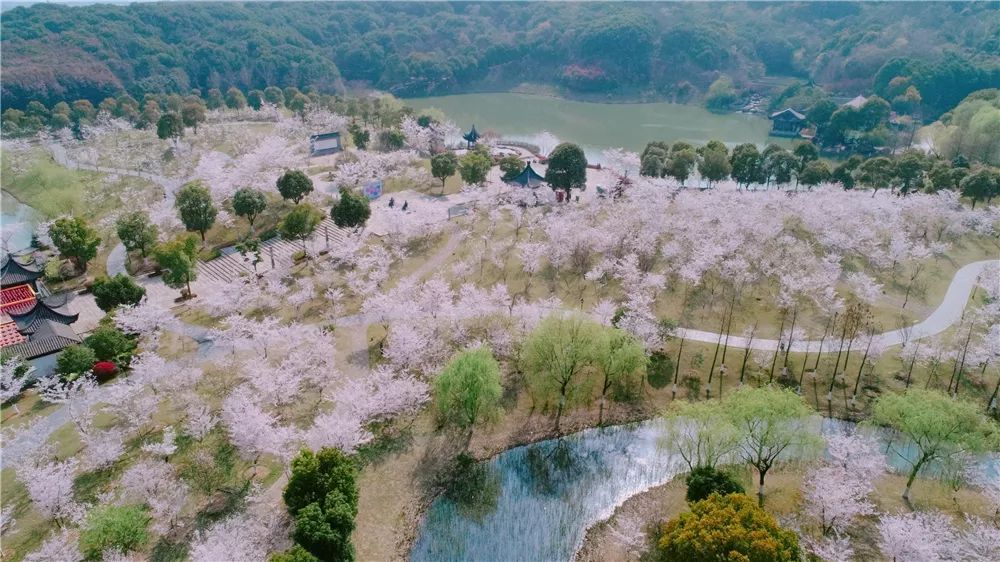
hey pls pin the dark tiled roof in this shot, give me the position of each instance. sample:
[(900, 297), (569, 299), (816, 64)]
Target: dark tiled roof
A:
[(527, 178), (49, 337), (51, 308), (12, 272)]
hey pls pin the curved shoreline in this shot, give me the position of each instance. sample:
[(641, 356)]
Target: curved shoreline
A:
[(562, 96)]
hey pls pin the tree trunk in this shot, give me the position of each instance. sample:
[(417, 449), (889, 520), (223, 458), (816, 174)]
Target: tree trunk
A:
[(956, 377), (791, 330), (989, 403), (912, 477), (760, 487), (677, 369), (913, 361), (777, 350), (857, 382), (829, 326)]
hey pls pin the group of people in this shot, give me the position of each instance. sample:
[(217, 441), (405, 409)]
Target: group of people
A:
[(392, 203)]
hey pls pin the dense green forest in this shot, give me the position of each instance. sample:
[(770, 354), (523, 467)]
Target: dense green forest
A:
[(621, 51)]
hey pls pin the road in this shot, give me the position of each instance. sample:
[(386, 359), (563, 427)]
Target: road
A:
[(945, 316)]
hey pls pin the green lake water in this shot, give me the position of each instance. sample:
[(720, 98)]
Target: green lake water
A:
[(596, 126), (535, 502)]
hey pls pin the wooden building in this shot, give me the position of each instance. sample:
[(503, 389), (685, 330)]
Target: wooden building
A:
[(34, 325), (787, 123)]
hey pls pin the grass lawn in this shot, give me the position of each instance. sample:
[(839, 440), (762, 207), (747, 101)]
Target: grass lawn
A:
[(27, 408), (452, 185), (54, 190)]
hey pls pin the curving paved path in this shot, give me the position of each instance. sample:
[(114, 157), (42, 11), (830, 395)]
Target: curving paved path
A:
[(946, 315), (116, 260)]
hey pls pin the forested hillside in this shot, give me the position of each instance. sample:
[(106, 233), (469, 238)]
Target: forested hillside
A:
[(672, 51)]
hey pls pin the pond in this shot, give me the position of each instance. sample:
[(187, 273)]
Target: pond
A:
[(536, 502), (17, 222), (596, 126)]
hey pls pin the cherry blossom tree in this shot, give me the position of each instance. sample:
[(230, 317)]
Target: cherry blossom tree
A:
[(979, 541), (253, 430), (164, 448), (381, 395), (916, 537), (50, 487), (251, 535), (835, 548), (156, 484), (101, 448), (864, 287), (198, 419), (13, 378), (54, 390), (60, 546)]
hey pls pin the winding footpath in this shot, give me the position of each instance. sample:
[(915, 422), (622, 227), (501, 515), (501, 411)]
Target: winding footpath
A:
[(945, 316), (116, 259), (26, 440)]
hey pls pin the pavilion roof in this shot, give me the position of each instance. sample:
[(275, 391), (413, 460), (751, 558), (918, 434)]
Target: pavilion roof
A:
[(17, 299), (856, 102), (472, 135), (49, 337), (44, 310), (13, 272), (788, 112), (528, 178)]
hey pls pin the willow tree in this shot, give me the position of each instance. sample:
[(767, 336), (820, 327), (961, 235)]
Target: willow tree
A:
[(622, 362), (933, 428), (701, 432), (774, 425), (468, 390), (556, 358)]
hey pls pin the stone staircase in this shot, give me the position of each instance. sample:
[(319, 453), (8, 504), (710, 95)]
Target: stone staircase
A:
[(231, 265)]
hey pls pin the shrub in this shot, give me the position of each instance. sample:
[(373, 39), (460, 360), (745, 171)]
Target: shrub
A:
[(731, 527), (660, 370), (111, 344), (75, 360), (704, 481), (109, 293), (294, 554), (104, 370), (122, 528), (53, 270)]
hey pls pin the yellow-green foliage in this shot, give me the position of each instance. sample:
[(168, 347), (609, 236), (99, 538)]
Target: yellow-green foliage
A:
[(731, 528)]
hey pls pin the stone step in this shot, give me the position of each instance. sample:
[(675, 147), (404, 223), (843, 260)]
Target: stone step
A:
[(231, 265)]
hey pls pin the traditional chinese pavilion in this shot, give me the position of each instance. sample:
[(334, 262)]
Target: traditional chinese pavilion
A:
[(787, 123), (471, 137), (33, 323), (527, 178)]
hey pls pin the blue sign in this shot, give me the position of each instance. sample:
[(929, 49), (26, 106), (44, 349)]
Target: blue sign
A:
[(373, 189)]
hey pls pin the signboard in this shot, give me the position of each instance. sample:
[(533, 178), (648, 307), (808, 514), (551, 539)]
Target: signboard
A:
[(373, 189)]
